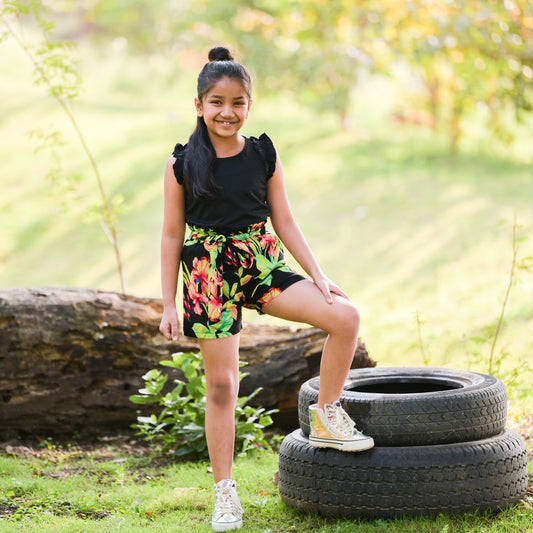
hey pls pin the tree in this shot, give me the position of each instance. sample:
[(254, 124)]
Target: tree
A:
[(315, 48), (466, 53)]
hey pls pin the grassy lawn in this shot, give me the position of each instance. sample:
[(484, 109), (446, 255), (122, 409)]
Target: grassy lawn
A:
[(119, 485)]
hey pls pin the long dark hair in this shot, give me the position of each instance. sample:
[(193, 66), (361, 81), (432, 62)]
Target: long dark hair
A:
[(200, 158)]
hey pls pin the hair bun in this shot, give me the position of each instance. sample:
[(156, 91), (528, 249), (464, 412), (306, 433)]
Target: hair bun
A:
[(220, 53)]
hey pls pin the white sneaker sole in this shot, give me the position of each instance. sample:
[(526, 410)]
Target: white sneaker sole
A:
[(343, 445), (226, 526)]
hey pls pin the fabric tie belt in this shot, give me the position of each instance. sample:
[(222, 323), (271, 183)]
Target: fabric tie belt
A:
[(212, 236), (219, 244)]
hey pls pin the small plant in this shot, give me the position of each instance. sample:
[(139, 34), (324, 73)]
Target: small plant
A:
[(180, 425), (50, 445), (524, 264), (519, 367), (491, 333), (426, 359), (138, 508)]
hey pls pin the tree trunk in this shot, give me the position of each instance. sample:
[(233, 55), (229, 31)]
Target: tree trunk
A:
[(70, 359)]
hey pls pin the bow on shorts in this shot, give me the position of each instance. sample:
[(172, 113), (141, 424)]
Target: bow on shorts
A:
[(223, 272)]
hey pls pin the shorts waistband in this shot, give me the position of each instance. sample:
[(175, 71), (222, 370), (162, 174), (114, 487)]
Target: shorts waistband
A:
[(199, 233)]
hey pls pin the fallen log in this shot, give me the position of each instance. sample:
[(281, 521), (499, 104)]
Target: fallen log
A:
[(70, 359)]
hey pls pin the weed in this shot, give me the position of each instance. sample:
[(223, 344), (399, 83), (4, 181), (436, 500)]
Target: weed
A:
[(179, 426), (524, 264), (515, 371), (426, 359)]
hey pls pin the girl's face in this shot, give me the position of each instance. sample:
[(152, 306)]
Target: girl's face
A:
[(224, 108)]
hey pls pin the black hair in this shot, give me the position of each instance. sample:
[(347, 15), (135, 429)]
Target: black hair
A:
[(200, 157)]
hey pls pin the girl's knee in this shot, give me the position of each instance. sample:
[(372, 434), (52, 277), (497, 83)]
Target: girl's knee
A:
[(354, 316), (347, 319), (222, 391)]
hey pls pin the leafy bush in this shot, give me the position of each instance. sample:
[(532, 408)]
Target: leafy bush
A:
[(180, 425)]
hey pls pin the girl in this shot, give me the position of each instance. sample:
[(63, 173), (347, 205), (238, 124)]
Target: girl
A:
[(224, 186)]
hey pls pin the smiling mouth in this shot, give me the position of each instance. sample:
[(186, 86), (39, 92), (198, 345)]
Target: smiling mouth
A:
[(225, 122)]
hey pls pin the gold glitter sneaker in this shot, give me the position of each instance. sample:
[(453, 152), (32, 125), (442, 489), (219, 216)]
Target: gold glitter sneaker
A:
[(228, 511), (331, 427)]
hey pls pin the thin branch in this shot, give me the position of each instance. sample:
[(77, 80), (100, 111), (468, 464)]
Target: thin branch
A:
[(419, 323), (506, 298), (108, 215)]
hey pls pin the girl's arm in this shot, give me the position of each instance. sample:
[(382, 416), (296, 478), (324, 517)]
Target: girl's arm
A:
[(291, 235), (172, 238)]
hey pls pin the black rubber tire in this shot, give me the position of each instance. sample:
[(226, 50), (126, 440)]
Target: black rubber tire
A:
[(412, 406), (387, 482)]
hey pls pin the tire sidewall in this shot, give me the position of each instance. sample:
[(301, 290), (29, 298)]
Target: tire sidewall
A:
[(474, 408), (386, 482)]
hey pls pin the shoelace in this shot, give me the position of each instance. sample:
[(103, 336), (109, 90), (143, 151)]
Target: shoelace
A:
[(227, 503), (341, 419), (347, 422)]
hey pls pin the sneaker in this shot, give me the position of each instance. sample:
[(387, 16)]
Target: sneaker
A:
[(331, 427), (228, 511)]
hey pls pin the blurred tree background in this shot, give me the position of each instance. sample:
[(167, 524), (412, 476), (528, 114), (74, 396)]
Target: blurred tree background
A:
[(418, 112), (460, 55)]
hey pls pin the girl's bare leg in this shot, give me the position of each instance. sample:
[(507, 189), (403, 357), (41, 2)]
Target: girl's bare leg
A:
[(221, 363), (303, 302)]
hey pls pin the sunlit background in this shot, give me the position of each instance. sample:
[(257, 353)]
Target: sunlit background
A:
[(404, 127)]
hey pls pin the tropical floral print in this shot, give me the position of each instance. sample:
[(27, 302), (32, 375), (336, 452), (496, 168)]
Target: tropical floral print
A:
[(223, 273)]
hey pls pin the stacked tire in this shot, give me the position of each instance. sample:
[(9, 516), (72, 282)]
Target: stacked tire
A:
[(441, 446)]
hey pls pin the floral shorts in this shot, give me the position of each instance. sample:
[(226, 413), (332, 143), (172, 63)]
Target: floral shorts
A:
[(222, 273)]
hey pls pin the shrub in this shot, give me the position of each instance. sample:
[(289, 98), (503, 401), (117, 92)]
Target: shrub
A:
[(180, 424)]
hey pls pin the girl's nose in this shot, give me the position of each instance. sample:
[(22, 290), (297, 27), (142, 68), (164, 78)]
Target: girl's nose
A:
[(226, 112)]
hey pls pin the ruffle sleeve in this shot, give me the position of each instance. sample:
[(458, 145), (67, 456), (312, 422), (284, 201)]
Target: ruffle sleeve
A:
[(179, 154), (266, 149)]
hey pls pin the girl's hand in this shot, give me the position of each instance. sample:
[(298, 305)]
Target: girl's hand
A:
[(328, 288), (170, 325)]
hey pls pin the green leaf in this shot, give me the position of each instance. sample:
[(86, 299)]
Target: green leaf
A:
[(147, 419), (142, 399)]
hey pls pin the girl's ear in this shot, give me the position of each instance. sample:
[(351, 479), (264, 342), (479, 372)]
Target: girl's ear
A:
[(250, 102), (199, 108)]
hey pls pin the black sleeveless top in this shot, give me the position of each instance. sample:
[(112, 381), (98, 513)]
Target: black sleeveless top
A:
[(242, 178)]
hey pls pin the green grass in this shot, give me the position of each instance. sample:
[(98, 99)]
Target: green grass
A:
[(117, 486)]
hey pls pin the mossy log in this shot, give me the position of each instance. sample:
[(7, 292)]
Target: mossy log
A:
[(70, 358)]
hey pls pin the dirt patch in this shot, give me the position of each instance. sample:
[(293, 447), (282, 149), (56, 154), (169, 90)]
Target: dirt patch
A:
[(106, 448), (7, 509)]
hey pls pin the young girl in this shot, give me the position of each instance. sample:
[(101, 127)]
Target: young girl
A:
[(224, 186)]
